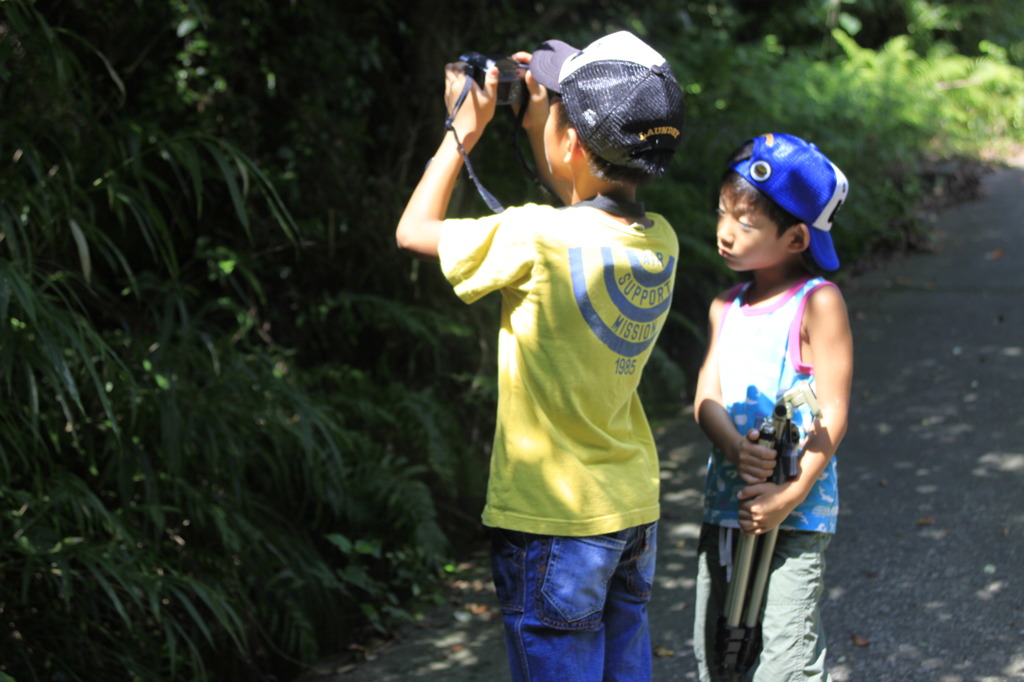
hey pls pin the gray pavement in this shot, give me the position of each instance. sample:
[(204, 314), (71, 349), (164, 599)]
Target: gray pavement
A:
[(924, 575), (926, 566)]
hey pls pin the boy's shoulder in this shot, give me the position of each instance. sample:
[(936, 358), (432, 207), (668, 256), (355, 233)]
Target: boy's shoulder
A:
[(825, 297), (729, 295), (513, 215)]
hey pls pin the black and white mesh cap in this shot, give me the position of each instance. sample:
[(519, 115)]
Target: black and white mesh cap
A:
[(619, 94)]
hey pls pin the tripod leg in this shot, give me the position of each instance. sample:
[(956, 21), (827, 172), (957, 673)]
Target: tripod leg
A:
[(764, 566), (745, 641), (732, 639), (786, 453), (736, 595)]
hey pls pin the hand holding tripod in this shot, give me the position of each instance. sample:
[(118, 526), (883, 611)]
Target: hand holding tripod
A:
[(738, 639)]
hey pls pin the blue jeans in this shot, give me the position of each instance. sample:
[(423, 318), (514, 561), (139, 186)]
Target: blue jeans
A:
[(575, 608)]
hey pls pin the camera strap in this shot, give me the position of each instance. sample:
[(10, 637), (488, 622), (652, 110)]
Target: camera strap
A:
[(488, 198), (530, 170)]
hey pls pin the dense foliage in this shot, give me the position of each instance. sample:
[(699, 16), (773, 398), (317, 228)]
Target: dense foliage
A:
[(237, 424)]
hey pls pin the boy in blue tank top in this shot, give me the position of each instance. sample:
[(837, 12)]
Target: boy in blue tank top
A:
[(785, 325)]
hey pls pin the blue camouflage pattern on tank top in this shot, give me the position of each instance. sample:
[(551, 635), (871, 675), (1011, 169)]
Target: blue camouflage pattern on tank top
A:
[(756, 366)]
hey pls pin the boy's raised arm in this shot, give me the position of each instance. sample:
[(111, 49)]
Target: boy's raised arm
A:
[(536, 116), (419, 228)]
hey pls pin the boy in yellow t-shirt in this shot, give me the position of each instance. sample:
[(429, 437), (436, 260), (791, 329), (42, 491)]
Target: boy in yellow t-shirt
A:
[(572, 496)]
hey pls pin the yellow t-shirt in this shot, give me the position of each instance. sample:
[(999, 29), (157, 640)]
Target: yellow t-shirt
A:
[(583, 300)]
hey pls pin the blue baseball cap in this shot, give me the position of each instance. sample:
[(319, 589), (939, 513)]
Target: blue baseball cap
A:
[(799, 178)]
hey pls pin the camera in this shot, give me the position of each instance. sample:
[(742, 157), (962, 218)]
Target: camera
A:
[(511, 88)]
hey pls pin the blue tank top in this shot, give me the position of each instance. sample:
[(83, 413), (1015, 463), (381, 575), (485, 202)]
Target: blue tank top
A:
[(759, 360)]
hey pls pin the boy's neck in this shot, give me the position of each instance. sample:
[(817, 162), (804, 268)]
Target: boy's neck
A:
[(589, 187), (775, 280)]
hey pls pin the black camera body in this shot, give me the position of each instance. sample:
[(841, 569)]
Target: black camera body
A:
[(511, 88), (783, 436)]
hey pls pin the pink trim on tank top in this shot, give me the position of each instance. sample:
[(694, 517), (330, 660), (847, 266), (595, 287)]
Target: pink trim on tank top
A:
[(795, 355), (747, 310), (783, 300)]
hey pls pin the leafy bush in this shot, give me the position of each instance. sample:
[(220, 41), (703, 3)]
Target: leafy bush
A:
[(179, 500)]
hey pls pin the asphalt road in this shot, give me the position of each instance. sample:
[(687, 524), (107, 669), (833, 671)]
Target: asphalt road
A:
[(924, 578)]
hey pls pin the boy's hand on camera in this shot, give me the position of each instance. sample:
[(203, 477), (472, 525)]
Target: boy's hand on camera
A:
[(755, 463), (764, 506), (537, 108), (477, 109)]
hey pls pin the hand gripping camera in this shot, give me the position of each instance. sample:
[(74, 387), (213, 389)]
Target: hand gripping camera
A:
[(511, 88)]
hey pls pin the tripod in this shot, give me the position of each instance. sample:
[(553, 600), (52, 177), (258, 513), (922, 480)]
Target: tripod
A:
[(738, 639)]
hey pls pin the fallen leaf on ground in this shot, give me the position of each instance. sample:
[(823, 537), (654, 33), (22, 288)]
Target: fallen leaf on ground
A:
[(662, 652), (995, 254), (926, 521), (859, 640)]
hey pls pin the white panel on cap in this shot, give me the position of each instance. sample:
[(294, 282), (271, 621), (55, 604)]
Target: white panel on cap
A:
[(622, 47), (823, 221)]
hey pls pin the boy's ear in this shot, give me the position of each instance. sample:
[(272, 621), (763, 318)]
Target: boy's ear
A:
[(573, 145), (799, 238)]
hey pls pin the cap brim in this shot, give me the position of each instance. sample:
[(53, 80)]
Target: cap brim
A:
[(547, 60), (822, 249)]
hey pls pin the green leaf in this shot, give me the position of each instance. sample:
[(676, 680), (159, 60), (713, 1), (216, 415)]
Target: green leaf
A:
[(850, 23), (83, 249), (186, 26), (341, 542)]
